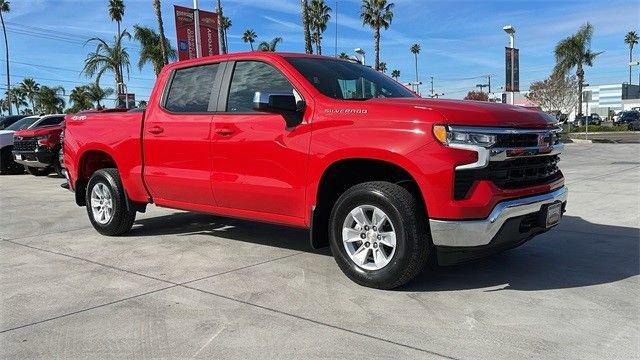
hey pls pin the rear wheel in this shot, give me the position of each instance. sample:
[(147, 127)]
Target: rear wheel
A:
[(378, 235), (57, 167), (38, 171), (107, 205)]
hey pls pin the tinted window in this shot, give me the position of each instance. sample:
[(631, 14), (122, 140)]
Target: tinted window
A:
[(51, 120), (341, 79), (251, 76), (191, 88), (22, 123)]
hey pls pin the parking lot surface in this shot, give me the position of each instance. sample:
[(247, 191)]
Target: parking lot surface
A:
[(185, 285)]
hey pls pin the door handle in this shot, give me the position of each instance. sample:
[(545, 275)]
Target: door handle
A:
[(156, 130), (224, 131)]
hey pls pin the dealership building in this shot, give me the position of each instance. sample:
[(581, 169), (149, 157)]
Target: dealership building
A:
[(602, 99)]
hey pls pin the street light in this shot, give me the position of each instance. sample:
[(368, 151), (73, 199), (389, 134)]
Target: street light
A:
[(509, 29), (360, 52)]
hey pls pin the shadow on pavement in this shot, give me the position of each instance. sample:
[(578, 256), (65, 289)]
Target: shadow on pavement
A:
[(578, 253)]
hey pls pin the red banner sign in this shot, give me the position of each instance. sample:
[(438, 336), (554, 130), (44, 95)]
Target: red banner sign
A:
[(209, 33), (186, 35)]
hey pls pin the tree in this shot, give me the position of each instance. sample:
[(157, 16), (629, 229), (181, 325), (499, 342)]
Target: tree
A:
[(223, 44), (555, 93), (631, 39), (18, 98), (142, 104), (574, 52), (113, 58), (249, 36), (304, 8), (378, 14), (319, 15), (30, 89), (151, 48), (4, 7), (80, 98), (116, 11), (395, 73), (4, 106), (163, 40), (226, 24), (344, 56), (271, 45), (97, 94), (382, 67), (415, 50), (477, 96), (50, 99)]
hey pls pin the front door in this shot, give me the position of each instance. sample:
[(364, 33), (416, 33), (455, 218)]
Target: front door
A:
[(177, 138), (258, 164)]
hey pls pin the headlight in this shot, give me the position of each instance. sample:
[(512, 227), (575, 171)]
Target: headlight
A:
[(448, 136), (42, 140)]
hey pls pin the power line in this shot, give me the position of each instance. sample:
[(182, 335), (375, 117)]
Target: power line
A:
[(66, 69), (68, 81)]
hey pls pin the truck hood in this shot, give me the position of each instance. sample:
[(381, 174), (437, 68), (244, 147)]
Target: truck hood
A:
[(476, 113), (6, 138), (40, 131)]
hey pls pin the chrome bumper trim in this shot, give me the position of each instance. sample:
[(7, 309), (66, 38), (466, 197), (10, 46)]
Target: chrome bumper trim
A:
[(481, 232)]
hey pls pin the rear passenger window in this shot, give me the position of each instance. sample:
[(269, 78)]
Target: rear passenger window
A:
[(191, 89), (251, 76)]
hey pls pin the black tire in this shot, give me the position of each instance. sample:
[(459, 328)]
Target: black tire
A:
[(38, 171), (57, 167), (123, 215), (409, 221)]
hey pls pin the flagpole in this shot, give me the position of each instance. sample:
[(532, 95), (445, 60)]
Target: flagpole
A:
[(196, 22)]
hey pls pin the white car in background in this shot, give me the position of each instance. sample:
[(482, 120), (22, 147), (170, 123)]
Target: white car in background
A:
[(7, 165)]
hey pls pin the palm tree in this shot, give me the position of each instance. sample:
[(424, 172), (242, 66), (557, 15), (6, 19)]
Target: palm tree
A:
[(395, 73), (382, 67), (80, 98), (226, 24), (151, 48), (249, 36), (3, 106), (574, 51), (415, 50), (4, 7), (116, 11), (95, 93), (30, 88), (631, 39), (377, 14), (223, 44), (18, 98), (318, 18), (113, 58), (304, 5), (50, 99), (163, 40), (344, 56), (271, 45)]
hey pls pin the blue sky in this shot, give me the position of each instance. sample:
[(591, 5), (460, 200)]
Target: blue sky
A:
[(460, 40)]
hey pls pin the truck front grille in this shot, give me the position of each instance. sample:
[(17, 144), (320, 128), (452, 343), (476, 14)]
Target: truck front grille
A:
[(25, 145), (509, 174), (515, 140)]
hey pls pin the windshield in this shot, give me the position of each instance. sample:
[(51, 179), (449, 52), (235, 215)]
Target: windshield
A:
[(340, 79), (22, 123)]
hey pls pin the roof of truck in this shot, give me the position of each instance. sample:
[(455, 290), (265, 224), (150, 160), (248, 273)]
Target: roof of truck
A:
[(244, 55)]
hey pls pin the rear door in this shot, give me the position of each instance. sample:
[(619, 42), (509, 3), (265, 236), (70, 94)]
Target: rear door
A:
[(258, 164), (177, 135)]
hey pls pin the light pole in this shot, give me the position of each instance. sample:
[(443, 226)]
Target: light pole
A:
[(509, 29), (360, 52), (196, 23)]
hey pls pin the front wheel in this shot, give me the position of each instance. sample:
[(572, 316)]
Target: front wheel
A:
[(107, 203), (378, 235)]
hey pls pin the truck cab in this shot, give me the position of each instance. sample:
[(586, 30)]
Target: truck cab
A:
[(387, 179)]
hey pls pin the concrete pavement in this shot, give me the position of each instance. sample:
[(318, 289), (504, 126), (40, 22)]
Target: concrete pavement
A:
[(191, 285)]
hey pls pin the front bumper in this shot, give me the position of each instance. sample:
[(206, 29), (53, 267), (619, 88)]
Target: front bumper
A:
[(475, 233), (40, 158)]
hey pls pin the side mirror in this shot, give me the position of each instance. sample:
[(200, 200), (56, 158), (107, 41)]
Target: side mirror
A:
[(281, 103)]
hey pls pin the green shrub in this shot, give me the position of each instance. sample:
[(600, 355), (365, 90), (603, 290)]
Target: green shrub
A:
[(600, 128)]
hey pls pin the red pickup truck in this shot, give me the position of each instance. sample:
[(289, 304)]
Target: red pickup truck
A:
[(389, 180)]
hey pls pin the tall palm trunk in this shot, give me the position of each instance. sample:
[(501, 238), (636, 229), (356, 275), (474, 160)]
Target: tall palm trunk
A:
[(630, 60), (163, 41), (416, 61), (580, 75), (305, 24), (318, 41), (377, 47), (6, 48), (221, 31)]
